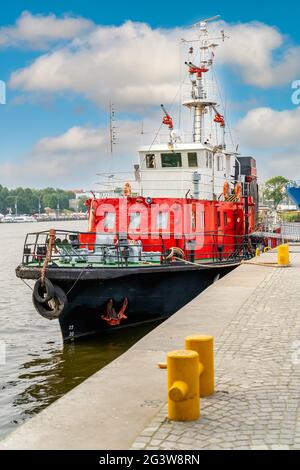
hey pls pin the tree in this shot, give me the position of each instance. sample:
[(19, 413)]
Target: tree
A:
[(28, 199), (275, 189), (81, 205)]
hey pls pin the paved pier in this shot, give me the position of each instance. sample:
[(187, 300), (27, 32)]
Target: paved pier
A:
[(253, 314)]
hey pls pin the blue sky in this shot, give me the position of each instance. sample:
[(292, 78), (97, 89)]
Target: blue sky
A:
[(164, 14), (49, 111)]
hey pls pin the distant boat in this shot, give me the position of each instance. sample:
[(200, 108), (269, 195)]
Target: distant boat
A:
[(293, 191), (9, 219), (25, 218)]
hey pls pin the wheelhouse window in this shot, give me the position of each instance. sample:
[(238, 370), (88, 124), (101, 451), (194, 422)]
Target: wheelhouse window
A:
[(208, 160), (109, 220), (135, 220), (162, 220), (192, 160), (150, 160), (171, 160)]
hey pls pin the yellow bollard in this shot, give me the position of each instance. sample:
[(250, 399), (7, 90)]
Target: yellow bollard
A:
[(204, 346), (257, 252), (183, 385), (283, 255)]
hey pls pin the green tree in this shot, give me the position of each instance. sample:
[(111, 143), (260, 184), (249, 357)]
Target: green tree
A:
[(81, 205), (28, 199), (275, 190)]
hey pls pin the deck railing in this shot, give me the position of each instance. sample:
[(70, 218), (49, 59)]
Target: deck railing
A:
[(79, 248)]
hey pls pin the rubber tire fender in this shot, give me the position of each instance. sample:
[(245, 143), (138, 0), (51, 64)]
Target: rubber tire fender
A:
[(53, 308), (43, 293)]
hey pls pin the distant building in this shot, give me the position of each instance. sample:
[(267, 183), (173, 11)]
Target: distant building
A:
[(74, 204), (109, 193)]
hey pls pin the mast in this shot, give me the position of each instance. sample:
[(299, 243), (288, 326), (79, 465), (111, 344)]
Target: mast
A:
[(200, 99)]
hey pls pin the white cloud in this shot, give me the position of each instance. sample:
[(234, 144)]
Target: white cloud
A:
[(133, 63), (74, 158), (139, 66), (285, 163), (266, 128), (261, 54), (37, 31), (272, 137), (75, 139)]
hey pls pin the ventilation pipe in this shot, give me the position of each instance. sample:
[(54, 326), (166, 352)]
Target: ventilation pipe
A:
[(196, 183)]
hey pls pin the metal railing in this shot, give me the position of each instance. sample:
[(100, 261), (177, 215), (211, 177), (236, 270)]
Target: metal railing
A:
[(82, 248)]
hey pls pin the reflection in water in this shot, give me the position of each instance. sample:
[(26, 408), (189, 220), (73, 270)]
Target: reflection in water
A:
[(48, 378)]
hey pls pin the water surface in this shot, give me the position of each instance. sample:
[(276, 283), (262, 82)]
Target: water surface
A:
[(38, 367)]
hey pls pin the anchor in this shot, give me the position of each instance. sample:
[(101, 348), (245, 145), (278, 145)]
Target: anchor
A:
[(112, 317)]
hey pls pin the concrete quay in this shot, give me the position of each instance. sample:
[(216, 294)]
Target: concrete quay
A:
[(253, 314)]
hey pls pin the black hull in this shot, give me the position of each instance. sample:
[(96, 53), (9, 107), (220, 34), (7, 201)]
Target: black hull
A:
[(152, 295)]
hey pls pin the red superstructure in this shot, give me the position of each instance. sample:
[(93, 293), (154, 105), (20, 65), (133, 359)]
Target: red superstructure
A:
[(201, 229)]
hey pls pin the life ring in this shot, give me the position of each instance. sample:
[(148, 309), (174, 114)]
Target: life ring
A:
[(53, 308), (127, 191), (226, 189), (43, 291), (238, 190)]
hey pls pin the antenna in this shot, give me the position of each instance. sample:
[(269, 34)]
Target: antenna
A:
[(207, 20), (112, 128)]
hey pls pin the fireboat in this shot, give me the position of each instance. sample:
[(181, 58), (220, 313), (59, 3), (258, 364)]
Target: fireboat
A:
[(146, 255)]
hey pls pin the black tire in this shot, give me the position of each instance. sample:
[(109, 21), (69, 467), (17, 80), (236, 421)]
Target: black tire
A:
[(43, 292), (53, 308)]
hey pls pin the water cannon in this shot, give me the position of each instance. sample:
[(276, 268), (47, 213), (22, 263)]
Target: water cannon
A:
[(167, 120), (219, 119)]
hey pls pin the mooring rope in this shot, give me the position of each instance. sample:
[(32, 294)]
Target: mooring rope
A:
[(48, 255), (76, 280), (27, 284)]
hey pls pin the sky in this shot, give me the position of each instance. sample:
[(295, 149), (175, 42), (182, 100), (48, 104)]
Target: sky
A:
[(63, 61)]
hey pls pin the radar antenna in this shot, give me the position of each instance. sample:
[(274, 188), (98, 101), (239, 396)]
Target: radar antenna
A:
[(206, 20)]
